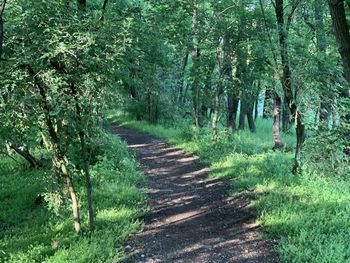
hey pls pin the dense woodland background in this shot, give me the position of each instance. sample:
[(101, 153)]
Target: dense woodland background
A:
[(258, 89)]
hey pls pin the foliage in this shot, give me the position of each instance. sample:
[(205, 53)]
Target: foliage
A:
[(308, 214), (30, 232)]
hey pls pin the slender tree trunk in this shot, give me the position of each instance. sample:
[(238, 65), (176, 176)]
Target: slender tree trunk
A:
[(276, 121), (267, 103), (195, 55), (242, 114), (60, 160), (149, 104), (88, 183), (182, 77), (232, 108), (342, 35), (250, 117), (85, 158), (321, 44), (2, 10), (217, 103), (286, 79), (286, 118), (256, 109)]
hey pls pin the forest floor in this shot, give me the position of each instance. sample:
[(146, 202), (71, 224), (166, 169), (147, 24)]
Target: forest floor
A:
[(192, 217)]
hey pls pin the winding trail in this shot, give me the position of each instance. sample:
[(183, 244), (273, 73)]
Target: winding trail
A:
[(192, 217)]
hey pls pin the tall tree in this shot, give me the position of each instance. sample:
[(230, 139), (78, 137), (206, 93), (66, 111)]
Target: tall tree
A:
[(2, 10), (286, 77), (342, 34)]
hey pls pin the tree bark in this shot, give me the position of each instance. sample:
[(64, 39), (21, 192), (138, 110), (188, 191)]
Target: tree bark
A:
[(2, 10), (256, 109), (286, 118), (286, 78), (85, 159), (250, 117), (242, 114), (276, 121), (342, 35), (217, 103), (267, 103), (321, 45), (60, 159), (182, 76), (232, 108)]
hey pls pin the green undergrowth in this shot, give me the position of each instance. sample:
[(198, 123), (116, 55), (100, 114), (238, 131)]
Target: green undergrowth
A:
[(31, 232), (309, 214)]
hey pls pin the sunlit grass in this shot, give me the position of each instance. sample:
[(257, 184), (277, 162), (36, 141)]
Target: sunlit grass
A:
[(309, 214), (31, 233)]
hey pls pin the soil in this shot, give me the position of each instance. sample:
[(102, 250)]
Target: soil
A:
[(192, 217)]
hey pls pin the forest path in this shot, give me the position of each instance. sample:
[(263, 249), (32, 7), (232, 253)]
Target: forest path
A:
[(192, 217)]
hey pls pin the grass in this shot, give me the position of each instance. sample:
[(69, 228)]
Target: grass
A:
[(33, 233), (308, 213)]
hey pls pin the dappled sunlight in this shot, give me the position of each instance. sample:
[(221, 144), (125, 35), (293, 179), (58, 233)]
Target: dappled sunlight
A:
[(137, 145), (188, 205)]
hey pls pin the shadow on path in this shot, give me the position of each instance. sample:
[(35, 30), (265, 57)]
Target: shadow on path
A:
[(193, 219)]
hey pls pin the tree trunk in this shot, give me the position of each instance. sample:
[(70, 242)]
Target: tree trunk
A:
[(232, 108), (195, 55), (182, 77), (256, 109), (217, 103), (250, 117), (242, 114), (286, 119), (85, 158), (276, 121), (286, 79), (342, 34), (2, 10), (149, 104), (267, 103), (88, 183), (321, 44), (60, 160)]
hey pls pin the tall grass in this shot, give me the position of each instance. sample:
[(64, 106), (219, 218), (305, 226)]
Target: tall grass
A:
[(309, 214), (30, 232)]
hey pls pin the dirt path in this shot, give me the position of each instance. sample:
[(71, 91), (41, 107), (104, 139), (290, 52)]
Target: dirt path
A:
[(192, 219)]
